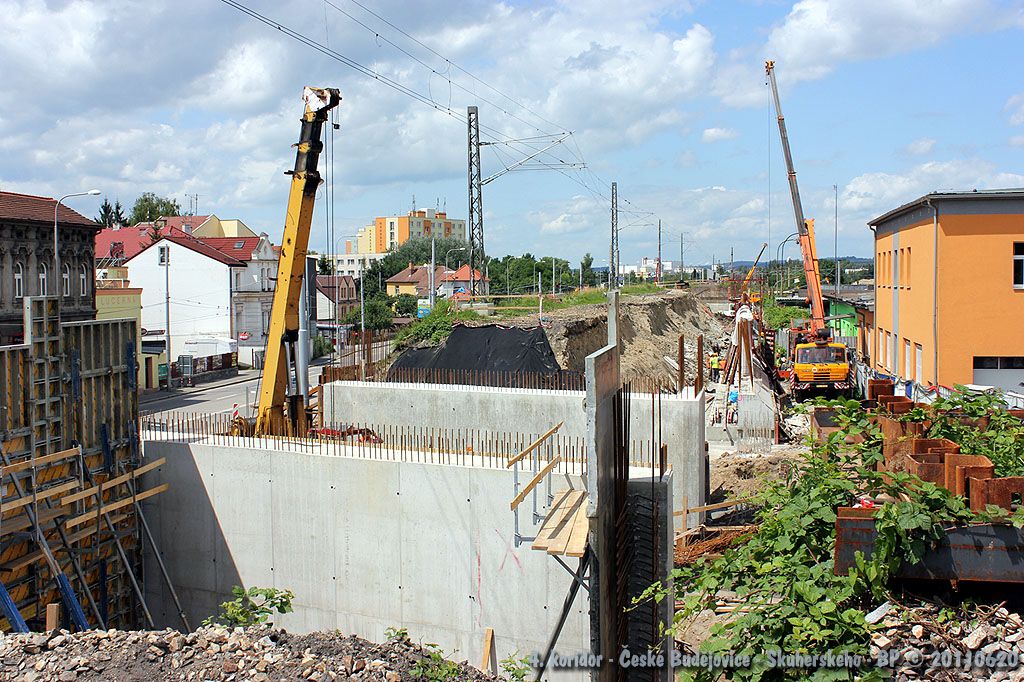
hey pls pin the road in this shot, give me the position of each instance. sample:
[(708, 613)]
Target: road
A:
[(217, 397)]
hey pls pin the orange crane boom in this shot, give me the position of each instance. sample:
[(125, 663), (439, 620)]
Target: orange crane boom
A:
[(804, 227)]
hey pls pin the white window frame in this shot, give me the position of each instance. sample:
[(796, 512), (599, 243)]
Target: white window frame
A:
[(19, 281), (1018, 259), (83, 281), (919, 363), (906, 360), (65, 278), (42, 275)]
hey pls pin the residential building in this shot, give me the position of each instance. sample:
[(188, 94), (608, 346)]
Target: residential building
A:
[(414, 280), (252, 291), (27, 265), (388, 232), (455, 283), (354, 264), (251, 286), (949, 289), (199, 285), (336, 297)]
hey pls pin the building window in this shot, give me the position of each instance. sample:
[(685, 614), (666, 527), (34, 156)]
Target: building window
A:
[(65, 279), (42, 279), (19, 281), (1018, 265), (83, 282), (906, 277), (986, 363), (907, 361), (1016, 363), (918, 363)]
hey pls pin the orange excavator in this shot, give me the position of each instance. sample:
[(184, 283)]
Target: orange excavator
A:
[(820, 365)]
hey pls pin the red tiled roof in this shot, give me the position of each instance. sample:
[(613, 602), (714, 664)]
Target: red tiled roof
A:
[(29, 208), (131, 241), (190, 242), (236, 247), (418, 275), (329, 286), (462, 275)]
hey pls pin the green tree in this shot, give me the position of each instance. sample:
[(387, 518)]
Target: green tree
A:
[(111, 215), (378, 315), (406, 305), (324, 266), (148, 207), (587, 266)]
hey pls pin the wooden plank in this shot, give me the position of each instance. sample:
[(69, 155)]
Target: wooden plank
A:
[(557, 509), (39, 461), (52, 617), (40, 495), (534, 481), (32, 557), (88, 516), (533, 446), (485, 665), (560, 538), (712, 507), (107, 485), (578, 538)]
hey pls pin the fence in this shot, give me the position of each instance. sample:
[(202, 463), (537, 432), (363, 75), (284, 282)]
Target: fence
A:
[(425, 445)]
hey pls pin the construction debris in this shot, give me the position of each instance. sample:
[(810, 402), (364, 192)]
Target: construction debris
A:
[(260, 654)]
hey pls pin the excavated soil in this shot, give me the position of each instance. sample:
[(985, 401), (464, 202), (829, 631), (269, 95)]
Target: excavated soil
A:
[(649, 331), (741, 475)]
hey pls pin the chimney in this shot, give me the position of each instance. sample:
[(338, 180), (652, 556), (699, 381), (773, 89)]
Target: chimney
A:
[(410, 268)]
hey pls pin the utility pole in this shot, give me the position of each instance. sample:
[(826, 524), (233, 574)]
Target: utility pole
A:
[(476, 199), (552, 275), (165, 253), (835, 189), (657, 273), (433, 284), (613, 265)]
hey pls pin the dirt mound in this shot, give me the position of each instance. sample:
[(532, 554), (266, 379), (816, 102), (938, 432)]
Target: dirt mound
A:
[(650, 326), (743, 474), (261, 654)]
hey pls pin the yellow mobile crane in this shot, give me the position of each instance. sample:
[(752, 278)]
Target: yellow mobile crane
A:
[(282, 406), (820, 365)]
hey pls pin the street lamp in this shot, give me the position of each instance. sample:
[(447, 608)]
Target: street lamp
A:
[(446, 271), (781, 249), (57, 273)]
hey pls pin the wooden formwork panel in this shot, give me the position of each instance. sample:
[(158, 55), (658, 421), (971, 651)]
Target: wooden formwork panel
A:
[(69, 384)]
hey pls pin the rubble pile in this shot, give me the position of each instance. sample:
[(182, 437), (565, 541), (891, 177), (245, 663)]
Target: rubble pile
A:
[(258, 654), (933, 643)]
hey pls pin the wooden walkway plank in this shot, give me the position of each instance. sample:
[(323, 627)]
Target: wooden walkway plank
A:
[(558, 511)]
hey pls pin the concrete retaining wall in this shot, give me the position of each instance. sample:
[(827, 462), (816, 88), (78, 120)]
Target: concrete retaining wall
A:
[(526, 411), (364, 544)]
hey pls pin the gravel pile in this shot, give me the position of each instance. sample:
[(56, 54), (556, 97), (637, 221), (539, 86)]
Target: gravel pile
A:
[(259, 654), (936, 644)]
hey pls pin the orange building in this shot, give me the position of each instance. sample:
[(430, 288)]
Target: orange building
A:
[(391, 231), (949, 290)]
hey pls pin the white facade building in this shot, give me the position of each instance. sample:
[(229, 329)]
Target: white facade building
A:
[(353, 264), (199, 284)]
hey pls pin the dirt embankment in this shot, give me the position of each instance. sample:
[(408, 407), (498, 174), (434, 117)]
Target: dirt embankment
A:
[(649, 330)]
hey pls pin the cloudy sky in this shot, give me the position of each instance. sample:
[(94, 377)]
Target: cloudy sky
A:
[(886, 99)]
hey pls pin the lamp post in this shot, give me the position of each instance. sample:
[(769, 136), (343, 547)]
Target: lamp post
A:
[(781, 248), (58, 275), (447, 253)]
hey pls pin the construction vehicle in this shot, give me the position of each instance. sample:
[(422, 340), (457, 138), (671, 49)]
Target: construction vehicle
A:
[(819, 365), (753, 297), (283, 396)]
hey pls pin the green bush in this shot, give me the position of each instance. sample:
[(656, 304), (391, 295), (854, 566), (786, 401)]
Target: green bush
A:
[(322, 346), (252, 607), (406, 305)]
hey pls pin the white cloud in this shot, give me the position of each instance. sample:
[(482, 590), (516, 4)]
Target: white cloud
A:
[(1017, 141), (1015, 105), (921, 146), (818, 35), (718, 134), (871, 194)]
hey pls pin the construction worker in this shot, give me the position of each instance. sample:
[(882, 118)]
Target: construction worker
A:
[(713, 366)]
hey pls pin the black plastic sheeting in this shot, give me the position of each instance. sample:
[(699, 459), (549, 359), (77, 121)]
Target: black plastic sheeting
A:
[(491, 355)]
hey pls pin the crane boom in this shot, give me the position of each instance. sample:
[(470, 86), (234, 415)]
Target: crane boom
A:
[(804, 227), (282, 407), (753, 268)]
